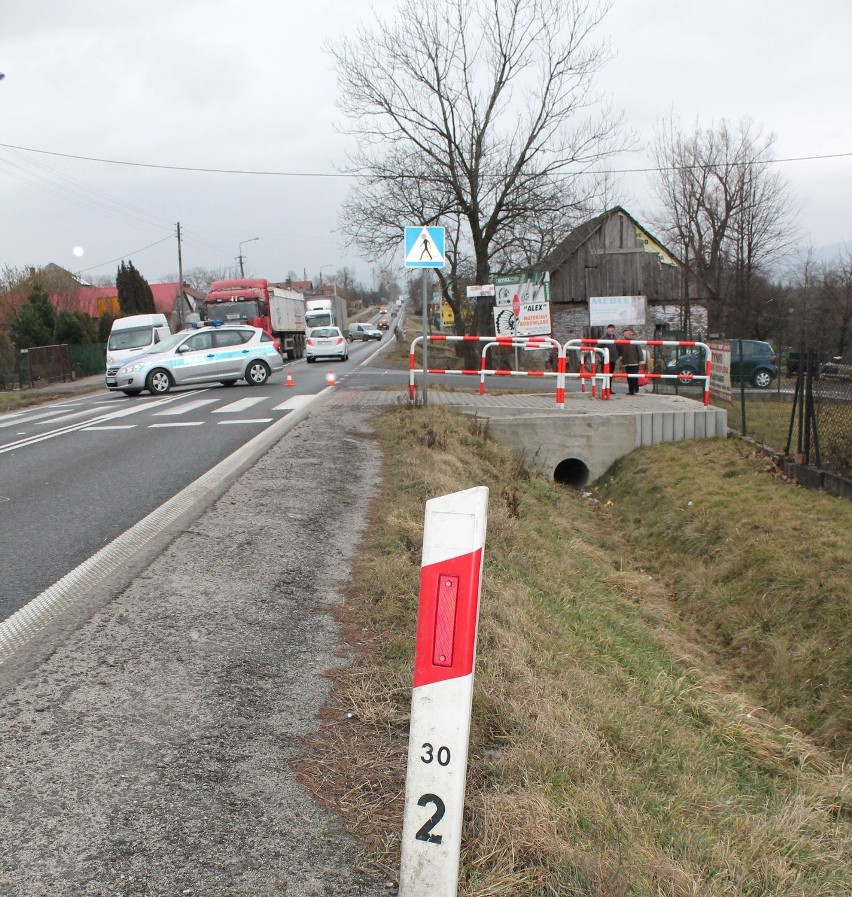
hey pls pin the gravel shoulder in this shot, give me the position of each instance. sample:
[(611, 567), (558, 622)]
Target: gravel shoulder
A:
[(150, 753)]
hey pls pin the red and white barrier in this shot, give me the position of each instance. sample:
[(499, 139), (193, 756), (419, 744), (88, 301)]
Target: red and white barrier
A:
[(586, 343), (538, 342), (447, 618), (599, 348), (534, 342)]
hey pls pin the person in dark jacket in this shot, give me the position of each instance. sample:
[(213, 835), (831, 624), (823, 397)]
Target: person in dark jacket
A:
[(631, 358)]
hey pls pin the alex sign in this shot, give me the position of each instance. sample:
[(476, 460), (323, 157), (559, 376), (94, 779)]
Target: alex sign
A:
[(522, 305)]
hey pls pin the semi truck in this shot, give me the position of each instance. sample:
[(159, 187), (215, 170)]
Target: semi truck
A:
[(279, 311), (330, 311)]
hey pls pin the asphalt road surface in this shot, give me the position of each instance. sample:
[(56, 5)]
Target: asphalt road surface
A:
[(148, 751), (75, 474)]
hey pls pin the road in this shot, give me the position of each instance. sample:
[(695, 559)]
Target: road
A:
[(75, 474), (149, 749)]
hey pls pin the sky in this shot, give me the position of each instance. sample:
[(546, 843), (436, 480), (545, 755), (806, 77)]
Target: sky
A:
[(248, 86)]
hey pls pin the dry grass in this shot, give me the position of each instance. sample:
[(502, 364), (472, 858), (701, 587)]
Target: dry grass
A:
[(611, 754), (767, 418), (15, 400)]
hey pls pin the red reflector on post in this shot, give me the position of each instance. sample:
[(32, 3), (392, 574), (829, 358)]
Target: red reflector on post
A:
[(445, 620)]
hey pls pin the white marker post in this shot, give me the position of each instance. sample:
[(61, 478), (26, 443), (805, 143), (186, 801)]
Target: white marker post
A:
[(450, 583)]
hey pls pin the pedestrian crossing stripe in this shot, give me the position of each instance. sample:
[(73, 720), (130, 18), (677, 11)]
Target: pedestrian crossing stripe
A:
[(424, 247)]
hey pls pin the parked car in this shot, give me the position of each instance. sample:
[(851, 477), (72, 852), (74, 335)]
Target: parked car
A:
[(364, 332), (326, 342), (211, 354), (758, 364), (815, 362)]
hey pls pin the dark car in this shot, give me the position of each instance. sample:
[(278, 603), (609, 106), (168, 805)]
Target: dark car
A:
[(758, 366)]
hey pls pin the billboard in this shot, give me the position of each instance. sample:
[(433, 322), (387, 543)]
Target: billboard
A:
[(522, 305), (720, 372), (618, 310)]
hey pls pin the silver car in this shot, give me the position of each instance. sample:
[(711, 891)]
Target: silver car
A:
[(222, 354)]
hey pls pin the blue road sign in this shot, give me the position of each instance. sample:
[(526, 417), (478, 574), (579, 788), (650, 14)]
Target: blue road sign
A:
[(424, 247)]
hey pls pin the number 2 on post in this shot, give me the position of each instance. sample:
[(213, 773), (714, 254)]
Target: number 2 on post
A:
[(424, 833)]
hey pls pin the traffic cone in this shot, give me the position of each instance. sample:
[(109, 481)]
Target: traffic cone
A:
[(289, 380), (329, 379)]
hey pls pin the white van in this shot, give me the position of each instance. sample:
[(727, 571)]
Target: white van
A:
[(134, 335)]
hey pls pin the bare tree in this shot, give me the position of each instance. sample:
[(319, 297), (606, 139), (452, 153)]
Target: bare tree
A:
[(729, 210), (476, 115)]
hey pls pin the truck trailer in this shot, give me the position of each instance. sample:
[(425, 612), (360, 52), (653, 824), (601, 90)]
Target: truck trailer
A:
[(280, 312), (330, 311)]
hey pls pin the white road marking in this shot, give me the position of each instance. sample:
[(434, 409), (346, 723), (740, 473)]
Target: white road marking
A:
[(183, 409), (239, 405), (107, 427), (256, 420), (179, 423), (293, 403)]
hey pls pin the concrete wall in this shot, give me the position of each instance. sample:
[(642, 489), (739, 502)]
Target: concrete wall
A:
[(545, 440)]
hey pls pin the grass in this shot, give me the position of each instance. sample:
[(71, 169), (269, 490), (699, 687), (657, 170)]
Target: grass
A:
[(26, 398), (767, 419), (645, 722)]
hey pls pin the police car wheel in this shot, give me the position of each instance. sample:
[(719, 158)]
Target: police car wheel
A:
[(257, 373), (159, 382)]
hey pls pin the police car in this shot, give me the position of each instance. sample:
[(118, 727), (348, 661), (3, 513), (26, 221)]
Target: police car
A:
[(209, 354)]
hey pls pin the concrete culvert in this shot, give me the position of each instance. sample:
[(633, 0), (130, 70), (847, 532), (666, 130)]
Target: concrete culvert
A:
[(572, 472)]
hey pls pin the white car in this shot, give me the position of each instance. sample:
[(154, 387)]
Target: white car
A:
[(326, 342), (222, 354)]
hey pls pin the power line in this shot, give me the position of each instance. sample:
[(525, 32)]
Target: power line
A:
[(287, 174), (333, 174), (127, 254)]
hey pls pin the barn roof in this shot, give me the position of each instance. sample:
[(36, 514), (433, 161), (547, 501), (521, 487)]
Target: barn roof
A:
[(585, 232)]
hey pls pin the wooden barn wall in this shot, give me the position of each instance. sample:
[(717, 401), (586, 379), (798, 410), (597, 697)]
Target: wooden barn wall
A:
[(614, 262)]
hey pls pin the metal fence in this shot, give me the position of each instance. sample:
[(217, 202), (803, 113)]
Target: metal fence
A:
[(821, 421), (805, 414), (43, 365)]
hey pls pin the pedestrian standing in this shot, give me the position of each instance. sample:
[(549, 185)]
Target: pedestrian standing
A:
[(631, 358)]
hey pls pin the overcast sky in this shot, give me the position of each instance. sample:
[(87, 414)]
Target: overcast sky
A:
[(246, 85)]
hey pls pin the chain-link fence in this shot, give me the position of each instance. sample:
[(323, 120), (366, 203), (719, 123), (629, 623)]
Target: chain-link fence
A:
[(804, 413), (823, 421), (88, 360)]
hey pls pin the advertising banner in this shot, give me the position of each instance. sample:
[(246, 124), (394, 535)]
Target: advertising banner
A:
[(618, 310), (720, 372), (522, 305)]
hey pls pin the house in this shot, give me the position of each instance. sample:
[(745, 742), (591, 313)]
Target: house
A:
[(167, 301), (98, 301), (613, 256)]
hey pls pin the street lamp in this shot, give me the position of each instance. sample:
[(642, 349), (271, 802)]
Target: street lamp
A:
[(240, 256)]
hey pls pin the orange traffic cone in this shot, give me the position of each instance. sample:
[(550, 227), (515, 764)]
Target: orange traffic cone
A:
[(289, 380), (329, 379)]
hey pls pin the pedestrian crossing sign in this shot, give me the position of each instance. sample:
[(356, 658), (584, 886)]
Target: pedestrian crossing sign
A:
[(424, 247)]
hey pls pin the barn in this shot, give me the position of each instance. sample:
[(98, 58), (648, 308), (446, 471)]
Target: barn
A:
[(613, 267)]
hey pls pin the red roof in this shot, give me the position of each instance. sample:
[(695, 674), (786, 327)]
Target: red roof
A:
[(86, 298)]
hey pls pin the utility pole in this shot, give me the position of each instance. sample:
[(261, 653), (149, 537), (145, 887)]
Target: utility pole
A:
[(240, 256), (181, 297)]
